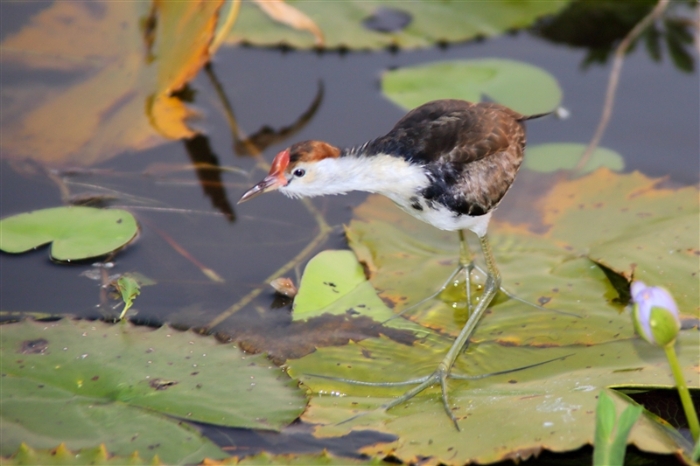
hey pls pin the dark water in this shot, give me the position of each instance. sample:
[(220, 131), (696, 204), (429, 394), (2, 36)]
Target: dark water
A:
[(654, 127)]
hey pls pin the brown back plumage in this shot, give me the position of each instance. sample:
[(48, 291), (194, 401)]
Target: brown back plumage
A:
[(472, 152)]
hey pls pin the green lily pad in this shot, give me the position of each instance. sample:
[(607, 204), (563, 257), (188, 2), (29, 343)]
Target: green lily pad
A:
[(430, 22), (355, 297), (334, 283), (76, 232), (555, 402), (524, 88), (327, 277), (548, 158), (85, 383)]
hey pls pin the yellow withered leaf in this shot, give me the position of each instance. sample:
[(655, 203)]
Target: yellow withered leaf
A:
[(284, 13), (120, 63)]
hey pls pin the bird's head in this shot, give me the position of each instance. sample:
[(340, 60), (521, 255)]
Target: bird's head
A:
[(295, 170)]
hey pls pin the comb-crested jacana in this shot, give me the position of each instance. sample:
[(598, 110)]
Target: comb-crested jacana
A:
[(448, 163)]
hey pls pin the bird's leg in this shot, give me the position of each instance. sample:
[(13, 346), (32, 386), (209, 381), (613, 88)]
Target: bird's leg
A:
[(466, 264), (493, 283)]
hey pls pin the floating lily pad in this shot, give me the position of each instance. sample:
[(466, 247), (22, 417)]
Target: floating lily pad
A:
[(119, 95), (351, 295), (548, 158), (327, 277), (85, 383), (75, 232), (343, 23), (555, 402), (524, 88)]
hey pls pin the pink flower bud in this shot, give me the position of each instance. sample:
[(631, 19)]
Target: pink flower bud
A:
[(655, 314)]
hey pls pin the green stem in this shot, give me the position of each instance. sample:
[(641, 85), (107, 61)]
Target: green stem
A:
[(686, 401)]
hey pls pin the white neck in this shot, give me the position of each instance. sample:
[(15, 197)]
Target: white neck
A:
[(385, 174)]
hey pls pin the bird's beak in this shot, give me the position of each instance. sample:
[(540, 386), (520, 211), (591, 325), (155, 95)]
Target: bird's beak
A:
[(275, 179)]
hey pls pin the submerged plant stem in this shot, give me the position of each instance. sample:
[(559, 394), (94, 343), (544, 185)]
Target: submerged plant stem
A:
[(210, 273), (615, 78), (683, 392)]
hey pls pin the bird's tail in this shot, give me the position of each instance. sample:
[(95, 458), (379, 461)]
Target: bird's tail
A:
[(534, 117)]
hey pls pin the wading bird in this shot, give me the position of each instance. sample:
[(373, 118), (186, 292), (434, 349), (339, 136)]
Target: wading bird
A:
[(448, 163)]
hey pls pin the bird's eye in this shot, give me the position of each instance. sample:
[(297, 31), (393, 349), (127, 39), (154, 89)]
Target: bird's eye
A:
[(299, 172)]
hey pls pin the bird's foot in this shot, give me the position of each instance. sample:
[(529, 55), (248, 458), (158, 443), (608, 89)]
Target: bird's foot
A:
[(440, 376)]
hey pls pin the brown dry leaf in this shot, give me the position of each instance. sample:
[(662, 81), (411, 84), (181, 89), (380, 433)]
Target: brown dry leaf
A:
[(120, 63), (283, 13), (634, 226), (284, 286)]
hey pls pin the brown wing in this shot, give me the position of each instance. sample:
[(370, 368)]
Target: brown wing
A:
[(471, 152), (449, 131)]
